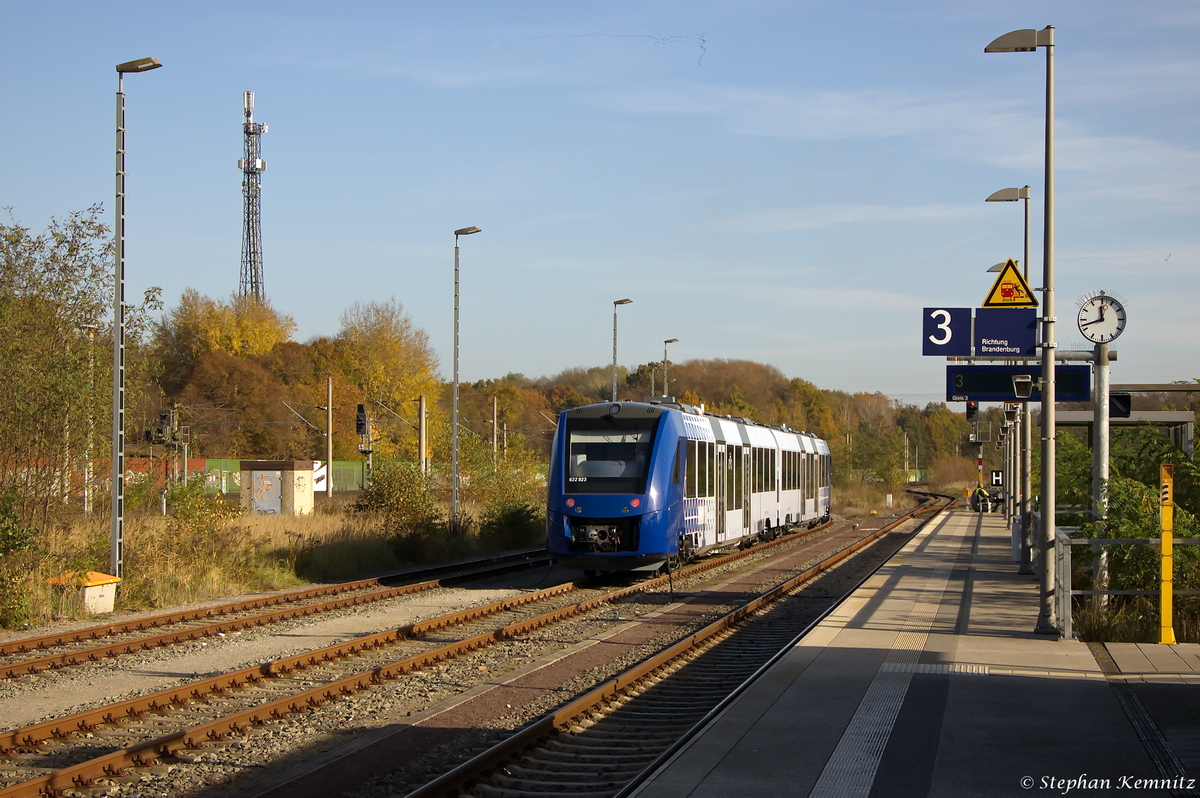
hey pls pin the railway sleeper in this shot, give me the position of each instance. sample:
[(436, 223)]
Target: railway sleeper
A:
[(546, 760), (660, 718), (488, 791), (588, 753), (559, 788), (664, 718), (681, 701), (635, 734), (571, 771), (685, 694), (626, 745)]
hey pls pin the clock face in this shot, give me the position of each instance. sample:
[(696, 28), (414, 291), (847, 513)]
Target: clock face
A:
[(1101, 319)]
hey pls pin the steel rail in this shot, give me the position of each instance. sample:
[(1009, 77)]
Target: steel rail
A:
[(567, 715), (100, 652), (147, 753)]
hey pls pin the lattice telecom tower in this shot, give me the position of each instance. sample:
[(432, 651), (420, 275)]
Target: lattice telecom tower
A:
[(252, 167)]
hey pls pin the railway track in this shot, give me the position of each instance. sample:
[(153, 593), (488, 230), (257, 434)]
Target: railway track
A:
[(96, 643), (111, 744), (602, 743)]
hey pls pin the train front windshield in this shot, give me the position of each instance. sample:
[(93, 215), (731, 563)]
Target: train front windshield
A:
[(609, 454)]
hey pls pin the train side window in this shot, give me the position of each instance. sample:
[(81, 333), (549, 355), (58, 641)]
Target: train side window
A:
[(675, 468), (709, 471), (735, 462), (701, 469), (690, 469)]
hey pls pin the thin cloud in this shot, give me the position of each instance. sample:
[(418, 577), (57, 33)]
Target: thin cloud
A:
[(816, 217)]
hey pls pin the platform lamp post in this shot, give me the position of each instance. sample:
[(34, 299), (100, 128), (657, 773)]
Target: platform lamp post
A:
[(666, 390), (1027, 41), (1025, 417), (116, 547), (614, 367), (465, 231)]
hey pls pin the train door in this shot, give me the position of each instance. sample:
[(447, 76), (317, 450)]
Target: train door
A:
[(719, 480)]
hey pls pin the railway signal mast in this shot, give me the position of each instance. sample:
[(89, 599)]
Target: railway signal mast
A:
[(252, 166)]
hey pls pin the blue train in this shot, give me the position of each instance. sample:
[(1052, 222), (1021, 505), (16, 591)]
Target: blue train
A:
[(635, 484)]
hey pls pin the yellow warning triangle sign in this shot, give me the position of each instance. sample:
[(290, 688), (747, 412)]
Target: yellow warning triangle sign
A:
[(1010, 290)]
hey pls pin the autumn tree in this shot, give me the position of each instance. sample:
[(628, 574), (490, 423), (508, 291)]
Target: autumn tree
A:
[(390, 360), (243, 327), (56, 346)]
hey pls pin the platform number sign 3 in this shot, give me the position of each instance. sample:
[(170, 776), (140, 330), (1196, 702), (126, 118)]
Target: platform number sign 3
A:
[(946, 332)]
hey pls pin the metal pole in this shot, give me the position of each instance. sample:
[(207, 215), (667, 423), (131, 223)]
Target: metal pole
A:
[(1047, 621), (1026, 565), (665, 383), (329, 436), (116, 547), (1100, 449), (495, 432), (454, 406), (1010, 478), (614, 366), (116, 562), (464, 231), (1100, 432), (422, 444)]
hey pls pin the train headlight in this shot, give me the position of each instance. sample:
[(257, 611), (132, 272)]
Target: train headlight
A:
[(614, 409)]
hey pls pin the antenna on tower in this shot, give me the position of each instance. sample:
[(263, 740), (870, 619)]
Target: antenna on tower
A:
[(252, 167)]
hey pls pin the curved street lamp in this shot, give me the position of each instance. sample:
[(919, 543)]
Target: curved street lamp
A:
[(1027, 41), (117, 543), (666, 392), (614, 366), (465, 231)]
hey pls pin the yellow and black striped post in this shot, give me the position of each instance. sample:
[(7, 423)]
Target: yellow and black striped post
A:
[(1166, 505)]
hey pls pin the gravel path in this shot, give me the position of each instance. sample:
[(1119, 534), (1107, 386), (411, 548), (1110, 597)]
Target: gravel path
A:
[(33, 698)]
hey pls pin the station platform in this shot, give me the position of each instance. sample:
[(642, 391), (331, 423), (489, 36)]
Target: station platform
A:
[(929, 681)]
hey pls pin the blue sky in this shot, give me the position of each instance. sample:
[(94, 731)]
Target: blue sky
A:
[(785, 182)]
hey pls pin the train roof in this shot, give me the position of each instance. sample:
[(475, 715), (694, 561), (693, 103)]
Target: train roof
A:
[(651, 404)]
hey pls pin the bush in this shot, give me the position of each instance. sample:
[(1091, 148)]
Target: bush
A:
[(15, 537), (1133, 512), (401, 496), (515, 526)]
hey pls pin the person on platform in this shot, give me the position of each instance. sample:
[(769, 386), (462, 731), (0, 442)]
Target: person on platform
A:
[(983, 501)]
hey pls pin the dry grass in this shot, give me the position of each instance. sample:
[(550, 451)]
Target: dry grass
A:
[(860, 498), (164, 567), (1134, 620)]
